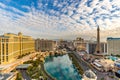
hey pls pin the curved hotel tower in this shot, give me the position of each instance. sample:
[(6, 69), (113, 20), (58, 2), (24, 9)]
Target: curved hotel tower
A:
[(14, 45)]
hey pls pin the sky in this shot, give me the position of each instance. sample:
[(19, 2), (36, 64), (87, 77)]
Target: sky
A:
[(61, 19)]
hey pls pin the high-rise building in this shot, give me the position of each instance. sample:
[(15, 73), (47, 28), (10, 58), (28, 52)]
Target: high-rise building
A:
[(79, 43), (62, 43), (91, 47), (14, 45), (65, 44), (113, 46), (44, 45)]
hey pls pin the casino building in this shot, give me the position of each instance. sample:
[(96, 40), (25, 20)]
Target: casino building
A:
[(45, 45), (113, 46), (14, 45)]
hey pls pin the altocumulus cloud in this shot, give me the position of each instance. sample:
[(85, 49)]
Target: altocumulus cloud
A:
[(67, 19)]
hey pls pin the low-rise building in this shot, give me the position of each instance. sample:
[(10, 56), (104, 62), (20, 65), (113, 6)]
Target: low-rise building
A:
[(103, 64)]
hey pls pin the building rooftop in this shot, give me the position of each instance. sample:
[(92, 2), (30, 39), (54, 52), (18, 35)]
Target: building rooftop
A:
[(90, 74), (111, 38), (2, 36), (7, 35), (23, 66), (106, 62)]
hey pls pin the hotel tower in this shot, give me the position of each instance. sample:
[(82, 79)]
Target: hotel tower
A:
[(14, 45)]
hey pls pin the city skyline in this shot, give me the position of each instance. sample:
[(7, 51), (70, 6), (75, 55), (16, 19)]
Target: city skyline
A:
[(65, 19)]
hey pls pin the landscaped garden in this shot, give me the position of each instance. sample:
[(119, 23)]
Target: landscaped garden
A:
[(35, 71)]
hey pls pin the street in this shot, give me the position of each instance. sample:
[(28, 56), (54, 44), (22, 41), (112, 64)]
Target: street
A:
[(24, 75), (86, 65)]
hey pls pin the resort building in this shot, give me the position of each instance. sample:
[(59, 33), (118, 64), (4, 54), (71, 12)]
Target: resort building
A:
[(12, 46), (89, 46), (61, 44), (79, 44), (45, 45), (113, 46)]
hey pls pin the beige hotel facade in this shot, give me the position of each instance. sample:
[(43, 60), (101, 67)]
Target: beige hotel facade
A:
[(45, 45), (14, 45), (113, 46)]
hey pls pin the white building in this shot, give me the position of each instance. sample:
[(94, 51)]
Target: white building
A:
[(113, 46), (89, 46), (89, 75)]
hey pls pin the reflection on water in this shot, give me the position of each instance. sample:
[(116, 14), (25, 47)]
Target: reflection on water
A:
[(61, 68)]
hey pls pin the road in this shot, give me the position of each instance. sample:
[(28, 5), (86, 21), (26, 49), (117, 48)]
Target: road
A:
[(25, 75), (86, 65), (7, 68)]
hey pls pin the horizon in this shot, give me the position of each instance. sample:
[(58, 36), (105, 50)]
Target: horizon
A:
[(52, 19)]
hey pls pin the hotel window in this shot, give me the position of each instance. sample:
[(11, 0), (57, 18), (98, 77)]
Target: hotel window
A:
[(3, 59), (6, 40), (0, 60), (15, 39), (3, 49), (2, 52), (7, 58), (7, 49), (2, 40)]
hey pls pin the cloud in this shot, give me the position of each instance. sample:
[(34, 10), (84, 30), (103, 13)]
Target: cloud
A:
[(2, 5), (61, 19)]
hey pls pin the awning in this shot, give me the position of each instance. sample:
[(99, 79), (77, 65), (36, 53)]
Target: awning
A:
[(98, 65)]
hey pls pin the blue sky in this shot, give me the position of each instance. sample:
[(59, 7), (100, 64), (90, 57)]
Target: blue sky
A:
[(56, 19)]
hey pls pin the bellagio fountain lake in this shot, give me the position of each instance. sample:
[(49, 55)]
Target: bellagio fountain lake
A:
[(61, 68)]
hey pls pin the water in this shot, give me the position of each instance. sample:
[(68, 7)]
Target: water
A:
[(61, 68), (113, 58)]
